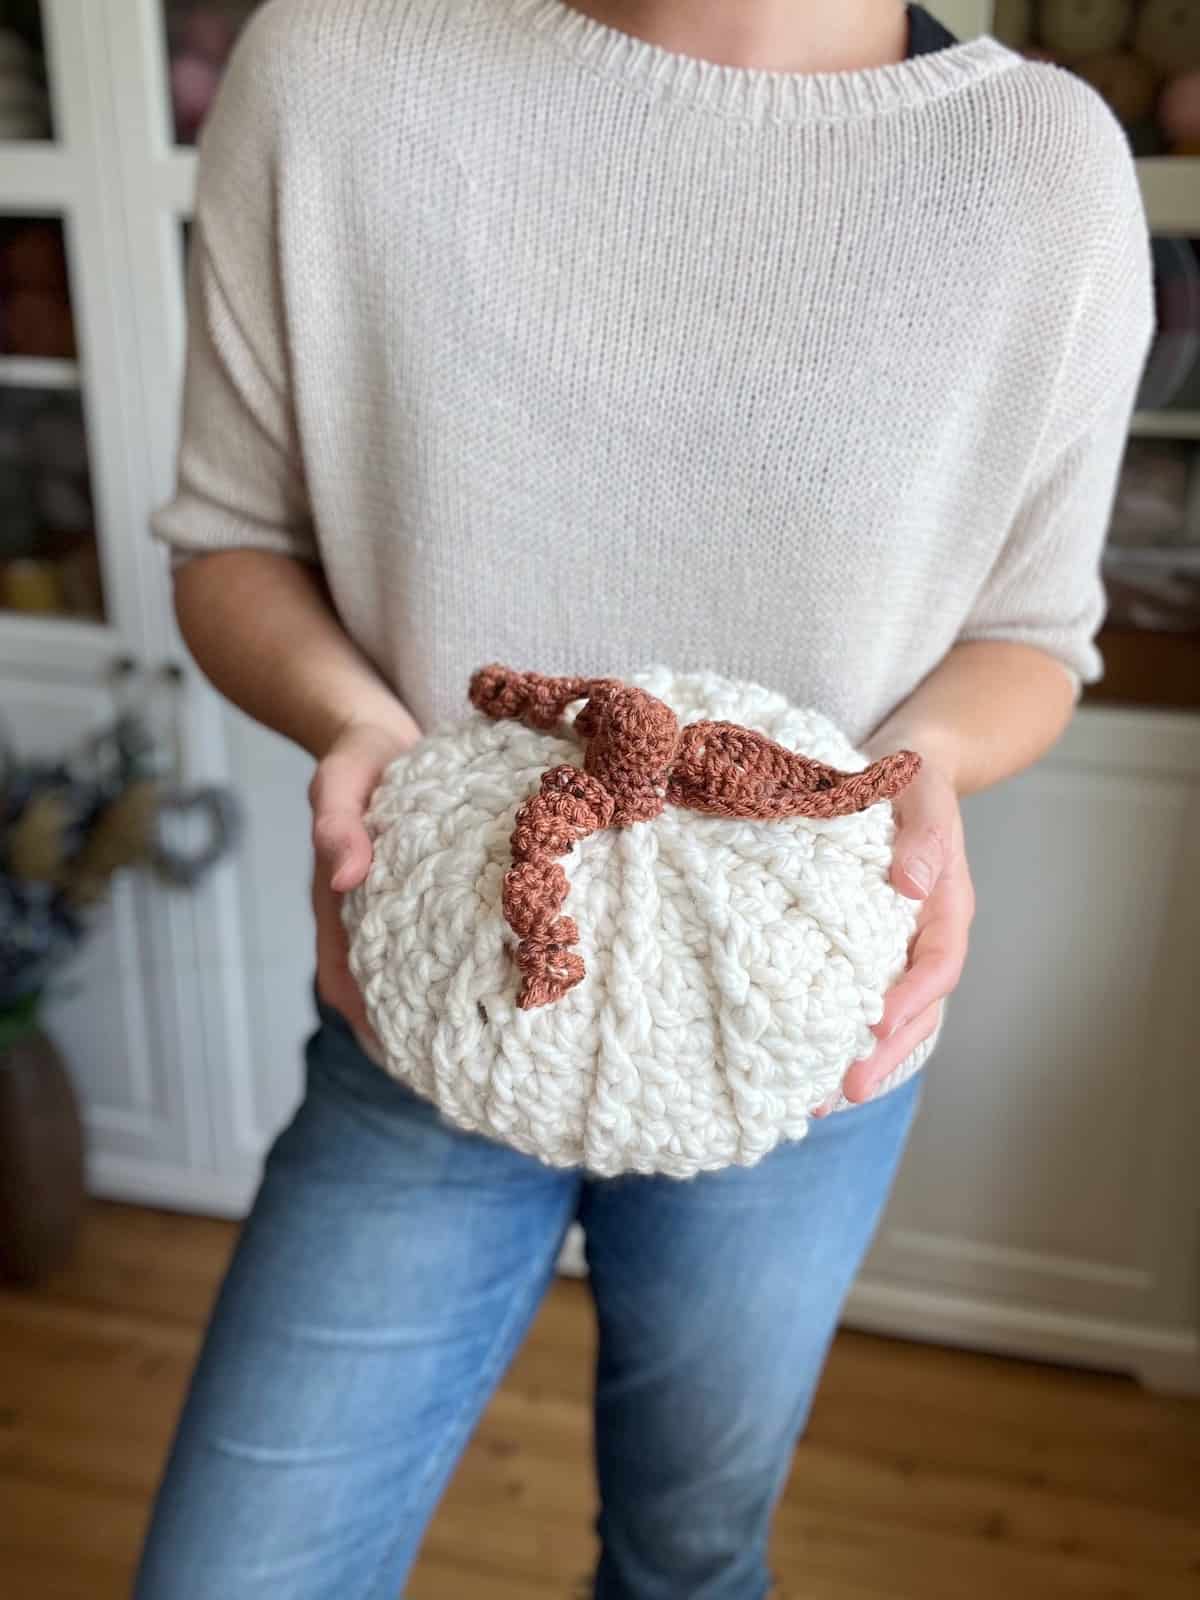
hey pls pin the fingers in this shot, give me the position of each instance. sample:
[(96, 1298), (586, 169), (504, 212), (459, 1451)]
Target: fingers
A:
[(335, 982), (938, 949), (865, 1075), (338, 989), (938, 953), (935, 972), (339, 793)]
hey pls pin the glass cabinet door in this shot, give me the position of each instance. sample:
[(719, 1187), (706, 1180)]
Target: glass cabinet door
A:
[(49, 562), (1152, 561), (1143, 58), (1170, 393), (200, 35), (25, 113)]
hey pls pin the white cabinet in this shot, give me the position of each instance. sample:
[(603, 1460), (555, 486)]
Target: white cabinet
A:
[(253, 922), (184, 1019), (1049, 1203), (129, 1018)]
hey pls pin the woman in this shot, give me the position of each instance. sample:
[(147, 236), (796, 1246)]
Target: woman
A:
[(797, 341)]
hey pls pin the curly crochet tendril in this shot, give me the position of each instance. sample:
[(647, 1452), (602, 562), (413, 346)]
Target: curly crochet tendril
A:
[(638, 760)]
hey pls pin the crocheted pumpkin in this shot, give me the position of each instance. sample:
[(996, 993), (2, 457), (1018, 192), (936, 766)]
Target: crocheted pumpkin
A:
[(649, 940)]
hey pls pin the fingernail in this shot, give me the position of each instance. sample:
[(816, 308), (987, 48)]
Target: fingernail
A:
[(921, 873), (896, 1026)]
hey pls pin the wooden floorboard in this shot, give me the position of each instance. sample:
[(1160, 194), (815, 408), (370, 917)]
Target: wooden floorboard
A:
[(926, 1473)]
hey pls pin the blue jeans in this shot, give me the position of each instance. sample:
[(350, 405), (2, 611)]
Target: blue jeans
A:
[(383, 1281)]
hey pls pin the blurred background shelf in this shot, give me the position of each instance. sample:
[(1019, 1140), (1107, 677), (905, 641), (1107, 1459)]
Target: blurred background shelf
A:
[(1166, 425), (1155, 558), (1171, 190), (1143, 667), (36, 372)]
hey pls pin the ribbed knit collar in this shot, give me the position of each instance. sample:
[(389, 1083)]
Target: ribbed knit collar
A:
[(754, 93)]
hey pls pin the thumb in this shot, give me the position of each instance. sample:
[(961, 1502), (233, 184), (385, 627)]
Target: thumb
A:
[(339, 793), (343, 847), (921, 847)]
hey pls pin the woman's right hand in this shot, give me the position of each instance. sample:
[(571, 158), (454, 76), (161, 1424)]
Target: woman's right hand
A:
[(340, 790)]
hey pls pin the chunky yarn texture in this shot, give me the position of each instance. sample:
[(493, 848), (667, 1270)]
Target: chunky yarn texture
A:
[(734, 965)]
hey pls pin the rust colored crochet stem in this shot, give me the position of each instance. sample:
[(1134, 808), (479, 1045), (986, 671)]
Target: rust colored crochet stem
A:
[(637, 760)]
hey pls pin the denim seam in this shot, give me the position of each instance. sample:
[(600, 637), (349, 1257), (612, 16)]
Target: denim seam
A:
[(458, 1432)]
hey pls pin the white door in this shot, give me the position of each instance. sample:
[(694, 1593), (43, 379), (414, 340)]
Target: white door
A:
[(78, 593), (254, 933)]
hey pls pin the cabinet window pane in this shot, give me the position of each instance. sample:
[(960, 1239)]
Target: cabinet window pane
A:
[(48, 556), (24, 98), (1171, 381)]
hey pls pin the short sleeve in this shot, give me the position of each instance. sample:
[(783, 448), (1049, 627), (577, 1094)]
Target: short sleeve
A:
[(1045, 587), (240, 480)]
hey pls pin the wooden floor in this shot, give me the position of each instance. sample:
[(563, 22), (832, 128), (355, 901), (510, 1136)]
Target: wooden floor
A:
[(925, 1473)]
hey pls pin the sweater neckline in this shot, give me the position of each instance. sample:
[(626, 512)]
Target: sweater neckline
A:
[(760, 94)]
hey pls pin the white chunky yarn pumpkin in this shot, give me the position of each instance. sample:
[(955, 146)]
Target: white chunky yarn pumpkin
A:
[(734, 967)]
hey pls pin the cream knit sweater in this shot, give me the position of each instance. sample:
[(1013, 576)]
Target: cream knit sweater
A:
[(556, 347)]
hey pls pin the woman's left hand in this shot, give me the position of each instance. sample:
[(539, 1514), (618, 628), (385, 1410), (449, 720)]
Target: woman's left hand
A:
[(929, 863)]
